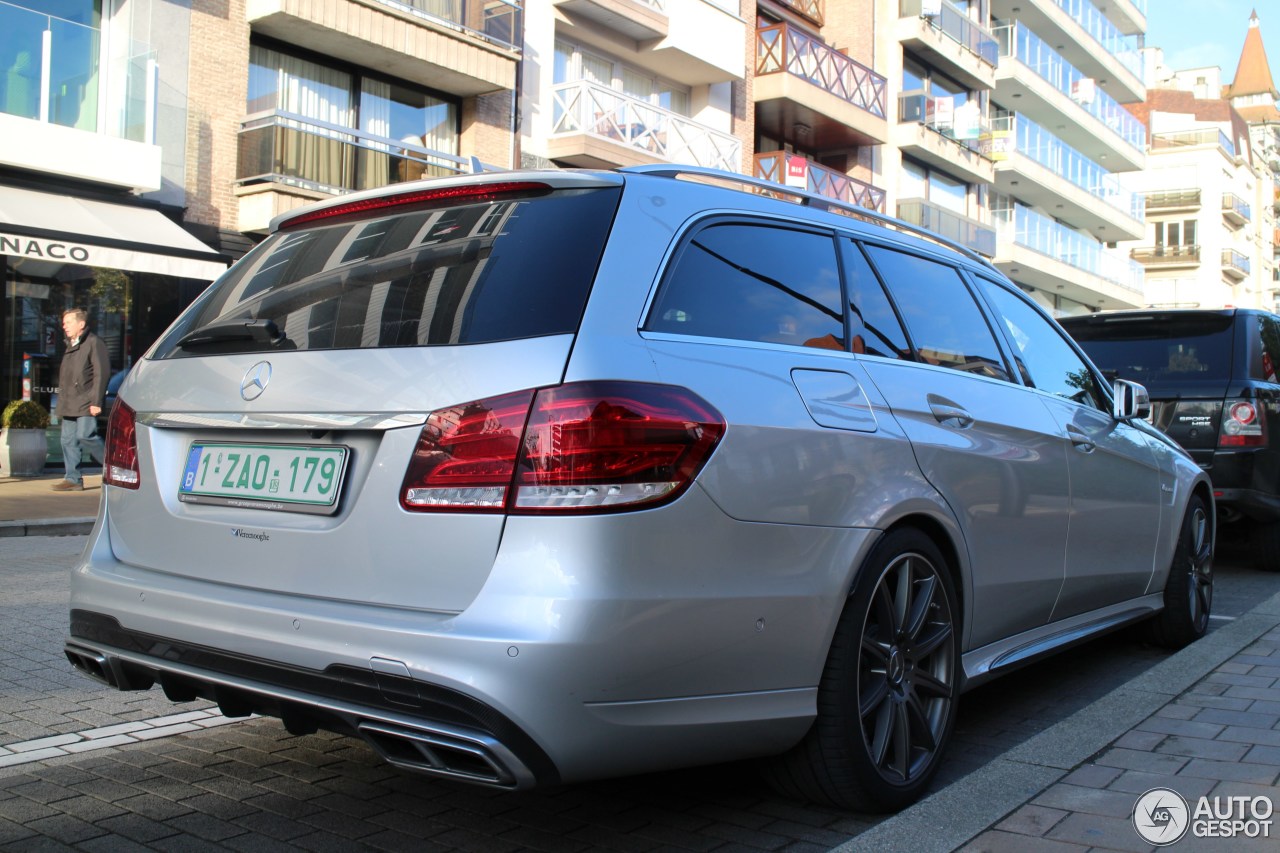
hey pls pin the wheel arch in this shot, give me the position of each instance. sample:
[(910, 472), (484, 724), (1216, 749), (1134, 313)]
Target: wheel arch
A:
[(945, 538)]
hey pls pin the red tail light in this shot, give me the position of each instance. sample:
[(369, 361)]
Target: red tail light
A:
[(121, 465), (1243, 425), (583, 447)]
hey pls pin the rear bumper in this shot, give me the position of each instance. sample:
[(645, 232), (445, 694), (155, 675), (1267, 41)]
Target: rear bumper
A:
[(598, 646), (1247, 482)]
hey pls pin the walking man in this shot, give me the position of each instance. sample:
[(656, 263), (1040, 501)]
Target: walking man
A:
[(82, 383)]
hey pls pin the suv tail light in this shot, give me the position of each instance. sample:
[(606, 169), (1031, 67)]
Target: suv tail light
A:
[(582, 447), (121, 465), (1242, 425)]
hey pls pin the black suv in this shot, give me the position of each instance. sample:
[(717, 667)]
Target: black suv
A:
[(1212, 380)]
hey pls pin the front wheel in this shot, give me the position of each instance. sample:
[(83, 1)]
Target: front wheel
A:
[(1188, 593), (888, 695)]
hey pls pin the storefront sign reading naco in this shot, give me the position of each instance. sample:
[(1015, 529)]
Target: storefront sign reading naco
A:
[(49, 250)]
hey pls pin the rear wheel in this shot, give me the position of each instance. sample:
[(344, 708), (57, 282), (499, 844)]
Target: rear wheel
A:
[(1188, 593), (887, 699), (1264, 541)]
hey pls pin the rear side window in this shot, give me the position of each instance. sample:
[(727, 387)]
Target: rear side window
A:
[(754, 282), (874, 328), (1158, 347), (458, 274), (944, 322)]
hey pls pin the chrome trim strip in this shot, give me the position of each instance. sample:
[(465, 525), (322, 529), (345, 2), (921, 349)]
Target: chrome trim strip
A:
[(281, 420)]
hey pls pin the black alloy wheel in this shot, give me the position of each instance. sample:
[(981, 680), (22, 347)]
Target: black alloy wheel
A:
[(1188, 593)]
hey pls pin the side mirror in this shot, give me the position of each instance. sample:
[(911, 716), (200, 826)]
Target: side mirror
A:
[(1131, 400)]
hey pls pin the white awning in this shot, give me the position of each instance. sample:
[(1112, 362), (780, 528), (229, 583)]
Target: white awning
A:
[(63, 228)]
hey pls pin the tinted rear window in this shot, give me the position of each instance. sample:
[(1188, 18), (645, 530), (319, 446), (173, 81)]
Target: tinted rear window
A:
[(462, 274), (1152, 349)]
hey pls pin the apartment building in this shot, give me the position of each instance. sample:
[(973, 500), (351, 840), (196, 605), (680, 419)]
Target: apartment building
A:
[(93, 118)]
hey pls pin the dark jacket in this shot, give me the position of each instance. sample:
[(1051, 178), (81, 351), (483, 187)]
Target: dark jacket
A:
[(82, 378)]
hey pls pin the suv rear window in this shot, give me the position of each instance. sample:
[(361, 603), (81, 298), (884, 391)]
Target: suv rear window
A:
[(1158, 347), (434, 276)]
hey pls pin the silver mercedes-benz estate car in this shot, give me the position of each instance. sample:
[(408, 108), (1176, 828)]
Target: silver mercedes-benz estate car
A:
[(539, 477)]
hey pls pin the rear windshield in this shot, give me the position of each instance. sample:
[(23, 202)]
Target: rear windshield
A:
[(1151, 349), (457, 274)]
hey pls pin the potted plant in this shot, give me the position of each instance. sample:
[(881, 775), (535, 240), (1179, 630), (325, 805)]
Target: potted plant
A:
[(23, 448)]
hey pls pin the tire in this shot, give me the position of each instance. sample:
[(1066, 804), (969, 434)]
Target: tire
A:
[(1264, 542), (888, 695), (1188, 593)]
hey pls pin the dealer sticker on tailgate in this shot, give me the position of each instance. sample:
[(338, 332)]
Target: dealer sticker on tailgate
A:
[(288, 477)]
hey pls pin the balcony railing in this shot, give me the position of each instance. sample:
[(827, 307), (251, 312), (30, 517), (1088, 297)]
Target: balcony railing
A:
[(772, 166), (1236, 209), (589, 108), (936, 114), (1096, 24), (1042, 234), (494, 21), (1192, 138), (1173, 199), (951, 22), (1235, 264), (1167, 256), (1018, 42), (298, 151), (811, 9), (782, 48), (947, 223), (1051, 152), (58, 75)]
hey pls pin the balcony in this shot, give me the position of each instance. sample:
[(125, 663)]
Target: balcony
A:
[(76, 104), (1035, 250), (1235, 265), (1173, 201), (287, 160), (1167, 257), (1043, 171), (462, 47), (598, 127), (1186, 139), (1129, 16), (1086, 38), (639, 20), (811, 9), (951, 42), (1236, 210), (949, 139), (947, 223), (1033, 79), (772, 166), (807, 91)]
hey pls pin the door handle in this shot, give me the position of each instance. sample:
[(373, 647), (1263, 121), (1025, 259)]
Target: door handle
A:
[(949, 414), (1079, 440)]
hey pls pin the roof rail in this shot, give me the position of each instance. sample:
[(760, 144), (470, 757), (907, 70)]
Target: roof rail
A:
[(809, 199)]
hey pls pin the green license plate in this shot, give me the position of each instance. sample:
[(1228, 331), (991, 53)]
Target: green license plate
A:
[(288, 477)]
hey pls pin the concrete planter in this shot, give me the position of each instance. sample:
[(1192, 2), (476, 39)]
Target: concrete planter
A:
[(22, 452)]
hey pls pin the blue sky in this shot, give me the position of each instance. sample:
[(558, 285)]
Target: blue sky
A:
[(1196, 33)]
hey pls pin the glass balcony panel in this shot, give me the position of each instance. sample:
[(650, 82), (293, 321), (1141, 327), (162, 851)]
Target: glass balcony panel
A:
[(1051, 152), (494, 21), (596, 110), (1167, 256), (1124, 48), (1191, 138), (1235, 262), (919, 107), (771, 166), (84, 90), (1040, 233), (292, 149), (1173, 199), (1236, 209), (946, 223), (1018, 42), (975, 38), (782, 48)]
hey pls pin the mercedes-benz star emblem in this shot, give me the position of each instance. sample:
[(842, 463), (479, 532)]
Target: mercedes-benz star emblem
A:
[(255, 380)]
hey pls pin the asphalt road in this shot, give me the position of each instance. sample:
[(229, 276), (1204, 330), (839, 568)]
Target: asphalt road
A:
[(181, 779)]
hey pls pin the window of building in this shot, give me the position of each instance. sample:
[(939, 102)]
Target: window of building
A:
[(1175, 235), (300, 110), (920, 181)]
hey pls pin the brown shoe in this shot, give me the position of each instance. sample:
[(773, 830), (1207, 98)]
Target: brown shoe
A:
[(68, 486)]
